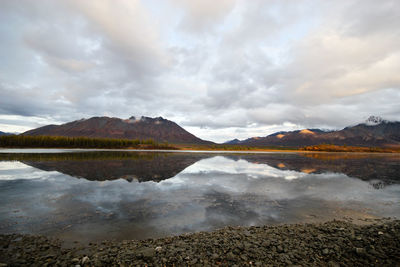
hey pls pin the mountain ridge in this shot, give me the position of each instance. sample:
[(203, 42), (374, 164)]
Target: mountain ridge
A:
[(158, 129), (373, 132)]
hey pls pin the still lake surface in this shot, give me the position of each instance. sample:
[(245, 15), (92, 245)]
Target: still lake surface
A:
[(95, 195)]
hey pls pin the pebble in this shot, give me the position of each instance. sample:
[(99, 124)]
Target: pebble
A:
[(85, 260), (360, 250)]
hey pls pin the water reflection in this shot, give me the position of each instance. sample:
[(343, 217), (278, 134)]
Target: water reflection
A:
[(144, 166), (106, 165), (171, 193)]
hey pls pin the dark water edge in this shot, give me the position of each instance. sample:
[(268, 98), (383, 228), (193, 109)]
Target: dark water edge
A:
[(334, 243), (97, 195)]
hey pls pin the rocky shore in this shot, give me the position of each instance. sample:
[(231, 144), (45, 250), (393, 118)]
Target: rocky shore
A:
[(334, 243)]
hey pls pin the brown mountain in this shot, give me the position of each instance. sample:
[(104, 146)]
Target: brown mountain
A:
[(158, 129), (374, 132)]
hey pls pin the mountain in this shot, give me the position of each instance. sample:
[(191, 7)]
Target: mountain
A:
[(373, 132), (3, 133), (233, 142), (158, 129)]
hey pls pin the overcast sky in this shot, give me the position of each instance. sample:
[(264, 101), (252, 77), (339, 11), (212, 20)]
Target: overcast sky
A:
[(222, 69)]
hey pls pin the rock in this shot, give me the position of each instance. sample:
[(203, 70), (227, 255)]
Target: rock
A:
[(158, 249), (147, 253), (325, 251), (215, 256), (266, 243), (333, 264), (246, 245), (85, 260), (230, 256), (360, 251), (380, 233)]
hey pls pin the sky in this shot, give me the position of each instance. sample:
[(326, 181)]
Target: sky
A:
[(221, 69)]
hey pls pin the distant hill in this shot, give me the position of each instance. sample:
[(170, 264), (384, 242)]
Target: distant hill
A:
[(3, 133), (158, 129), (233, 142), (374, 132)]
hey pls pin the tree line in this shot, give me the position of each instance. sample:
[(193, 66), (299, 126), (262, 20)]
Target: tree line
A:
[(25, 141)]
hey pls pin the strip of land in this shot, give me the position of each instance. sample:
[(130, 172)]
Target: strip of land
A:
[(335, 243), (22, 141)]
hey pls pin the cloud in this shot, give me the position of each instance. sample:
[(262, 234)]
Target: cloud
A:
[(233, 66), (201, 15)]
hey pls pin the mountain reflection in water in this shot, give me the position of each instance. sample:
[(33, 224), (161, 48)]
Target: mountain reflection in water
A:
[(145, 166), (171, 193)]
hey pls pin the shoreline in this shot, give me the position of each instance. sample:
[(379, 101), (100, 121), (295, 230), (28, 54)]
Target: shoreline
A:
[(333, 243), (251, 151)]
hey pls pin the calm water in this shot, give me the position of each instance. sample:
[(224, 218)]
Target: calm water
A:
[(91, 196)]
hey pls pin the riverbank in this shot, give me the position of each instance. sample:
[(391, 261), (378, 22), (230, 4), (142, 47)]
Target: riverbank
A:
[(335, 243)]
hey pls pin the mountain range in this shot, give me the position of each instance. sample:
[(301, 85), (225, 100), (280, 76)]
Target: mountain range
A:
[(373, 132)]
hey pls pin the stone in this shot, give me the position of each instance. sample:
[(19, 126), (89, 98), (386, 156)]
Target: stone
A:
[(147, 253), (85, 260), (230, 256), (360, 251), (266, 243), (333, 264)]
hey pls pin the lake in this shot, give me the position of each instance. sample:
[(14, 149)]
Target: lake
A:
[(103, 194)]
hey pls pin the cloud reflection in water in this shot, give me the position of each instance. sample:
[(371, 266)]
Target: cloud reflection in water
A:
[(211, 193)]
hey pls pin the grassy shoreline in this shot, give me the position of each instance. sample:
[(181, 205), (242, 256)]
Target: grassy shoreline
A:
[(205, 150), (21, 141)]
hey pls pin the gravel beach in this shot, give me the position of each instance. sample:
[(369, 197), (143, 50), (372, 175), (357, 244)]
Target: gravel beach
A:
[(334, 243)]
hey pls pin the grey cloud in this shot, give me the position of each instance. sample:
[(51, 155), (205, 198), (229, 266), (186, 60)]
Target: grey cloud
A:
[(201, 15), (243, 66), (368, 17)]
